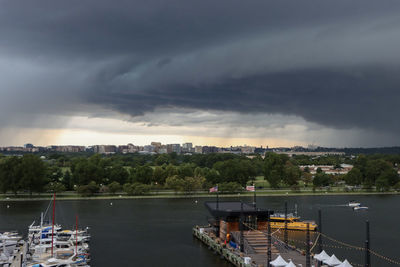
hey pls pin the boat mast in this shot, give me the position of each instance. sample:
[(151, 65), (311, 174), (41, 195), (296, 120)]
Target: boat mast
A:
[(41, 228), (52, 226), (76, 236)]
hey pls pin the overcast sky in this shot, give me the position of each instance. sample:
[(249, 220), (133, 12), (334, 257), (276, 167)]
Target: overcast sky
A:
[(262, 72)]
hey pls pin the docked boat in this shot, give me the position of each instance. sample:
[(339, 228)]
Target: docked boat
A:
[(279, 220), (360, 208), (353, 204), (9, 241)]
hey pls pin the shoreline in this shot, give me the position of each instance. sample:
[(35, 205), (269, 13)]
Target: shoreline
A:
[(179, 196)]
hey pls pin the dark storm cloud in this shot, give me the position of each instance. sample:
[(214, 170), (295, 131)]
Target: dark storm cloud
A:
[(335, 63)]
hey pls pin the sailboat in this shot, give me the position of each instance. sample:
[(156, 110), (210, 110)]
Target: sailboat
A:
[(49, 245)]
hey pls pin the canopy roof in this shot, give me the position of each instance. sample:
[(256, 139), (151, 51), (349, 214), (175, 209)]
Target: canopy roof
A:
[(332, 261), (322, 256), (290, 264), (234, 209), (345, 264), (278, 262)]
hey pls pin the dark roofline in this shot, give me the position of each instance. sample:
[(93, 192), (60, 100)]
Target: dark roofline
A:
[(233, 209)]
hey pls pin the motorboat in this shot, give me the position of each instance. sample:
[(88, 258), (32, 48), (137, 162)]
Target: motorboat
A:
[(360, 208), (292, 222), (353, 204)]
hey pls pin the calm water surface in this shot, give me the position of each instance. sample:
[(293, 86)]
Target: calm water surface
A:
[(157, 232)]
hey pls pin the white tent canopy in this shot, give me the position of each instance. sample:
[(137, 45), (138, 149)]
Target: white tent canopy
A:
[(278, 262), (345, 264), (332, 261), (322, 256), (290, 264)]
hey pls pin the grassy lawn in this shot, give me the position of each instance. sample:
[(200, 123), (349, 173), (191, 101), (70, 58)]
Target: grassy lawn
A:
[(260, 182)]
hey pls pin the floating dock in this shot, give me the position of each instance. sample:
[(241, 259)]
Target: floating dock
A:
[(239, 233)]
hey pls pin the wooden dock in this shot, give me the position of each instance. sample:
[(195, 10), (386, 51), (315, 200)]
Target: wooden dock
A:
[(18, 256), (256, 248)]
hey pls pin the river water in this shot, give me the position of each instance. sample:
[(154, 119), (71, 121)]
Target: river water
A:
[(157, 232)]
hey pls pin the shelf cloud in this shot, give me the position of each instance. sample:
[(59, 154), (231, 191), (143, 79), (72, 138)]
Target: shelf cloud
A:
[(334, 65)]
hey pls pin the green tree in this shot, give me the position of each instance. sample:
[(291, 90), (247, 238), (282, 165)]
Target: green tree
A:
[(171, 170), (67, 180), (387, 179), (374, 169), (212, 176), (114, 187), (55, 187), (10, 174), (136, 189), (235, 170), (274, 166), (354, 177), (292, 174), (142, 174), (175, 183), (89, 189), (191, 184), (307, 178), (230, 187), (86, 170), (361, 164), (118, 173), (185, 170), (33, 172), (322, 179), (274, 178), (162, 159), (54, 174), (159, 175)]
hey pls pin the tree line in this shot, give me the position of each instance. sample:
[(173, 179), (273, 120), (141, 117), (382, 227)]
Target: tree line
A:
[(139, 174)]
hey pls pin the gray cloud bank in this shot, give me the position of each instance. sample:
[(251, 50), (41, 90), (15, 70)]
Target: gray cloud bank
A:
[(334, 63)]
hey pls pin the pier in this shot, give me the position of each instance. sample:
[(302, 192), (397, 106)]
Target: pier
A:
[(256, 257), (256, 248), (241, 234)]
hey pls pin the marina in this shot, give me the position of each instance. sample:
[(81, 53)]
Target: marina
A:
[(46, 245)]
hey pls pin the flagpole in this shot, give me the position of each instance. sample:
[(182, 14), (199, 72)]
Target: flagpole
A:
[(254, 202), (217, 198)]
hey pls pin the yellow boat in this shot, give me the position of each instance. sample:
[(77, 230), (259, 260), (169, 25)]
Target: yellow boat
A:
[(293, 222)]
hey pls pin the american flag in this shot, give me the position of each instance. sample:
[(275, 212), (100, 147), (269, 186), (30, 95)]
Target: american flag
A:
[(214, 189), (250, 188)]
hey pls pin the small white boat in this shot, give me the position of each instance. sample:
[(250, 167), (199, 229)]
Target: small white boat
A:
[(353, 204), (360, 208)]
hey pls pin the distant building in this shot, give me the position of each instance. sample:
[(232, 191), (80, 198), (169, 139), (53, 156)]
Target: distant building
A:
[(198, 149), (149, 148), (132, 148), (260, 150), (310, 153), (328, 169), (209, 149), (156, 144), (28, 146), (247, 149), (187, 148), (162, 150), (105, 149), (69, 149), (171, 148)]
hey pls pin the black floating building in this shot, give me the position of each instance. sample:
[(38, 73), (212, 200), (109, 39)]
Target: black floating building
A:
[(227, 216)]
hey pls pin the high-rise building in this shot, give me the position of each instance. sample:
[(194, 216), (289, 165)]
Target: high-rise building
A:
[(187, 148)]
